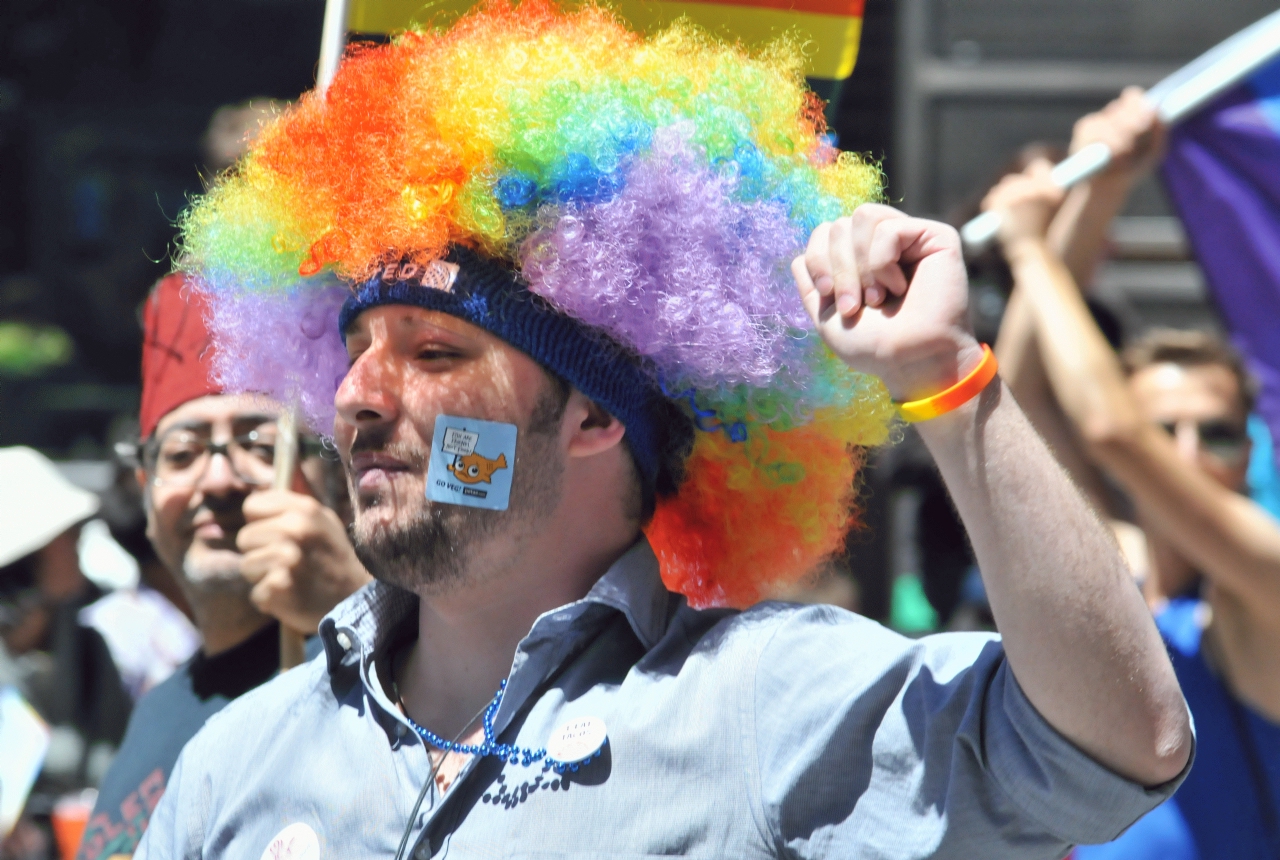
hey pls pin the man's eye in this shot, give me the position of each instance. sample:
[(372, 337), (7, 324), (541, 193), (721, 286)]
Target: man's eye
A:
[(264, 452), (181, 456), (1223, 434), (435, 354)]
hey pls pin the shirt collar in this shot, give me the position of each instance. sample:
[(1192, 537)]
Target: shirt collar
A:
[(632, 585)]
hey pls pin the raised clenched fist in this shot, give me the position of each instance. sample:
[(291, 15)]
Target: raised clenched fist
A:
[(889, 295)]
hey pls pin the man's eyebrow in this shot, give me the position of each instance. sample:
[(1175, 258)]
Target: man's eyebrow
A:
[(192, 424), (201, 425), (255, 418), (420, 327), (417, 325)]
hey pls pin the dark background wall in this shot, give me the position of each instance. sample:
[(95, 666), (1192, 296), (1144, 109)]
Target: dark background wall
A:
[(864, 116), (978, 78), (102, 107)]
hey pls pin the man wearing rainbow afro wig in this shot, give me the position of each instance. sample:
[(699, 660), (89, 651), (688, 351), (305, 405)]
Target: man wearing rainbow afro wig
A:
[(546, 270)]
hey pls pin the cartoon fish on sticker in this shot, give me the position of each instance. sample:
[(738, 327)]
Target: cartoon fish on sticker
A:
[(475, 468)]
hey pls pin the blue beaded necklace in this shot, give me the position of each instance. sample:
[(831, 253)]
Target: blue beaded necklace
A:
[(513, 754)]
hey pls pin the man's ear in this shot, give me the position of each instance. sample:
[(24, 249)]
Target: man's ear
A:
[(592, 430)]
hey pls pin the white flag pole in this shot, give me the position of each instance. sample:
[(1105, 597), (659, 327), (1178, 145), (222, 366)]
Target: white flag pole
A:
[(293, 649), (333, 40), (1175, 98)]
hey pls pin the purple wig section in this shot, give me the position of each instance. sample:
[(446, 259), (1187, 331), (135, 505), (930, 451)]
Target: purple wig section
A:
[(678, 269), (285, 345)]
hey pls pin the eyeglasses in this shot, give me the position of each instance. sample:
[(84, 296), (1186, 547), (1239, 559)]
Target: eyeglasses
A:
[(1222, 440), (181, 457)]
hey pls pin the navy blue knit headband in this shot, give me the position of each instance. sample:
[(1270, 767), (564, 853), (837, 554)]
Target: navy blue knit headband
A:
[(491, 296)]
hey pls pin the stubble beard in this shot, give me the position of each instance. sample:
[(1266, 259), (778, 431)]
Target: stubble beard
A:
[(214, 572), (434, 551)]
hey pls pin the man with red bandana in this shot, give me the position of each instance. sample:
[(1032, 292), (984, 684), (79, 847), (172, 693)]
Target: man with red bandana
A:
[(248, 557)]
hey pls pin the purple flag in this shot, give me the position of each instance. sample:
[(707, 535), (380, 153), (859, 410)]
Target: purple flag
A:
[(1223, 173)]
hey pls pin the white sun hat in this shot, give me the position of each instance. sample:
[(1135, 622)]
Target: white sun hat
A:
[(36, 503)]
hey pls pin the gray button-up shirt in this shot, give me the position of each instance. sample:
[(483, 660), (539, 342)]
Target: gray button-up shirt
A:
[(781, 731)]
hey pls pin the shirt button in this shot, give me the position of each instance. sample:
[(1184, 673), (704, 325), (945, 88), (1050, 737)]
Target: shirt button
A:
[(344, 641)]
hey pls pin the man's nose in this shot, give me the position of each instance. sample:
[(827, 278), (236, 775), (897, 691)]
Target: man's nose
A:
[(369, 393), (220, 477), (1187, 438)]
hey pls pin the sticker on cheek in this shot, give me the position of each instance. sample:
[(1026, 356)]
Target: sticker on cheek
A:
[(471, 462)]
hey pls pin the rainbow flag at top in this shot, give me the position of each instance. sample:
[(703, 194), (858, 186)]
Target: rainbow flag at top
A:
[(831, 28)]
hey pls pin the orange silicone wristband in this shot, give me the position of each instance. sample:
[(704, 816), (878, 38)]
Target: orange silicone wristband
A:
[(955, 396)]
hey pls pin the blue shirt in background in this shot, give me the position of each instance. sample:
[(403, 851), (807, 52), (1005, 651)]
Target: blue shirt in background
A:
[(1263, 480), (1217, 814)]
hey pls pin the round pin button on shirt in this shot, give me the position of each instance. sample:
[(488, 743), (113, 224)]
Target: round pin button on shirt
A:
[(577, 740), (296, 842)]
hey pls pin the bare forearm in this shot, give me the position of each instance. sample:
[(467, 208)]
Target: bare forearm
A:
[(1024, 374), (1017, 349), (1077, 633), (1072, 348), (1081, 230)]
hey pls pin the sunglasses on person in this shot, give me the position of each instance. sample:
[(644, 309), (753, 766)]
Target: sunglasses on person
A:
[(1223, 440)]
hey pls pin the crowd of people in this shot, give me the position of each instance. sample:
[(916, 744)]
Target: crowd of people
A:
[(1068, 730)]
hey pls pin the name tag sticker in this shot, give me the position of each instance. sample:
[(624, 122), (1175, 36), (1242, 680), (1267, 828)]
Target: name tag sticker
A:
[(295, 842), (577, 740), (471, 463)]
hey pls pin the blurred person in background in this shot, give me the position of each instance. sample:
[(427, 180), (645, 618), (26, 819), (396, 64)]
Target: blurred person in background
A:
[(63, 668), (244, 557), (232, 128), (145, 620), (1168, 424), (247, 557)]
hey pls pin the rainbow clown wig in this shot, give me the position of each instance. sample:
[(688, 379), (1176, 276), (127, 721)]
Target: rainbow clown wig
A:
[(648, 192)]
